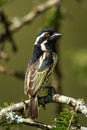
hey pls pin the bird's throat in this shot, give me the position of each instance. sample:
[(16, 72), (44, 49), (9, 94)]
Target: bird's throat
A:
[(37, 52)]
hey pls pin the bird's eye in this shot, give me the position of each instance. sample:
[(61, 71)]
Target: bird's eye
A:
[(47, 35)]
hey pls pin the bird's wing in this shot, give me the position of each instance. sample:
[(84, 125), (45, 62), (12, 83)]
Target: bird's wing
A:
[(36, 73)]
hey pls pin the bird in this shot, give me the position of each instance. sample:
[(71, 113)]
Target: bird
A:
[(40, 67)]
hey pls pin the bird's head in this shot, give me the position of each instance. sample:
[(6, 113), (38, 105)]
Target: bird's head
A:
[(46, 40)]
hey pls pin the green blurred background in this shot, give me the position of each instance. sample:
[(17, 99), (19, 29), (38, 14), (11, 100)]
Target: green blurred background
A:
[(73, 53)]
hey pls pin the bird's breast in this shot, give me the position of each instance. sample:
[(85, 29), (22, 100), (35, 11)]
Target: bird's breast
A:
[(50, 70)]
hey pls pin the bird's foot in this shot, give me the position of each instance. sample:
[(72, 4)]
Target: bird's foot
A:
[(47, 98)]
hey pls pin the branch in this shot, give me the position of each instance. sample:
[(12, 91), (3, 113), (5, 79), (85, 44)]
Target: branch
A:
[(78, 128), (6, 35), (9, 112), (18, 23), (13, 118), (15, 107), (30, 122), (33, 123), (78, 104), (4, 55), (11, 72)]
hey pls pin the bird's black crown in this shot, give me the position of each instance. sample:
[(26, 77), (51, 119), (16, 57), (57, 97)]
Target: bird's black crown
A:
[(50, 31)]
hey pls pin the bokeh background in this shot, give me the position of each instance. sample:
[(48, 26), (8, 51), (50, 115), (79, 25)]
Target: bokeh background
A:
[(72, 47)]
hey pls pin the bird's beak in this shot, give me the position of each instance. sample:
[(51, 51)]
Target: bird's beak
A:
[(55, 35)]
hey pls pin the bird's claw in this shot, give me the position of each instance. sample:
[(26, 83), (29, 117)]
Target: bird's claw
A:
[(51, 90), (47, 98)]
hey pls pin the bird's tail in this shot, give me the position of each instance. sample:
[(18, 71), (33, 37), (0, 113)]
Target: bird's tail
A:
[(33, 109)]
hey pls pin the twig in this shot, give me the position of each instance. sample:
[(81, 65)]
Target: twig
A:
[(11, 72), (70, 121), (30, 122), (17, 24), (28, 18), (78, 104), (78, 128), (20, 22), (7, 35), (4, 55), (15, 107), (12, 118)]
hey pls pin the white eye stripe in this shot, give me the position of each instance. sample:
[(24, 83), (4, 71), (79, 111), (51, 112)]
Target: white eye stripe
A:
[(36, 42)]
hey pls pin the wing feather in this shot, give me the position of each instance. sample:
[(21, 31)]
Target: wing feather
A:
[(36, 74)]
